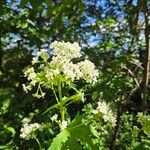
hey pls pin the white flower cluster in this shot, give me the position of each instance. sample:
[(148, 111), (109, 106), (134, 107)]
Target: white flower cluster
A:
[(63, 54), (104, 109), (26, 88), (30, 73), (27, 130), (89, 72), (51, 73), (34, 60), (67, 49), (61, 65), (63, 125), (54, 118), (72, 71)]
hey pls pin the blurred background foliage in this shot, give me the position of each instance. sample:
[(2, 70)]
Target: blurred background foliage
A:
[(112, 34)]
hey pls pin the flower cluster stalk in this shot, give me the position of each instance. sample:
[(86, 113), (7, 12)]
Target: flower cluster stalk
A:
[(62, 110)]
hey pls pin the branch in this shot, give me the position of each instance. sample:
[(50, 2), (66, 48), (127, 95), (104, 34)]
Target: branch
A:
[(131, 73)]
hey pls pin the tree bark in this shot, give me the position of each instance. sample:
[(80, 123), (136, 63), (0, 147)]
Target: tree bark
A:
[(147, 65)]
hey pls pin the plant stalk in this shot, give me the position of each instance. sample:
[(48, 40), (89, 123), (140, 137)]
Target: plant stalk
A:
[(62, 110), (39, 144)]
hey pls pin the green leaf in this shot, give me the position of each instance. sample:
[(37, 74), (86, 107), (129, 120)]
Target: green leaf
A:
[(3, 146), (50, 108), (36, 4), (44, 56), (23, 3), (138, 146), (59, 140), (82, 132), (24, 25), (135, 131), (1, 73), (81, 5), (77, 133), (146, 142), (145, 122), (11, 129), (75, 97), (94, 131), (95, 95), (72, 143), (30, 22)]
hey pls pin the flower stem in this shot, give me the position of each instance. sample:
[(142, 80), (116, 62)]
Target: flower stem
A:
[(62, 110), (39, 144), (55, 93), (60, 92), (62, 114)]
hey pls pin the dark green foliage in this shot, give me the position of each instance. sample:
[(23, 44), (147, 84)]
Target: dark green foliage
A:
[(111, 37), (77, 135)]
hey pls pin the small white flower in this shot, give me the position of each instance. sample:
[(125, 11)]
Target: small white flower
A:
[(26, 88), (28, 71), (66, 50), (95, 111), (39, 95), (33, 82), (54, 118), (31, 75), (104, 109), (56, 72), (25, 120), (27, 130), (89, 73), (41, 51), (103, 29), (63, 125), (34, 60), (49, 74)]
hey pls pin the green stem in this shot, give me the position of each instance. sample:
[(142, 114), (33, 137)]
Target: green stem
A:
[(62, 114), (60, 92), (55, 94), (62, 110), (39, 144)]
